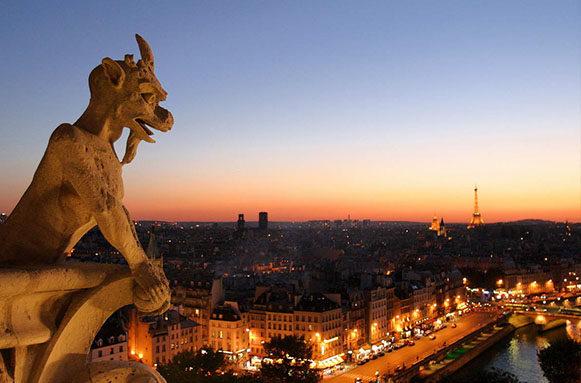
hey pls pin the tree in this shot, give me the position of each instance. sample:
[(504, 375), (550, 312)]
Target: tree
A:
[(190, 367), (291, 359), (561, 361), (488, 376)]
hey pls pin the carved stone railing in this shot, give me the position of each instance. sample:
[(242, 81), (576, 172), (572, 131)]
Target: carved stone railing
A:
[(49, 317)]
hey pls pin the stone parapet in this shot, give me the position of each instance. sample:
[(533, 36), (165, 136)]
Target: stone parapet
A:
[(49, 317)]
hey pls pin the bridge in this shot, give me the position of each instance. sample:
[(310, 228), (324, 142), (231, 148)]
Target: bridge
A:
[(547, 317)]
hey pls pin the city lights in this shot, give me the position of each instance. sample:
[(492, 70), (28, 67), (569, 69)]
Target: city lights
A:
[(319, 205)]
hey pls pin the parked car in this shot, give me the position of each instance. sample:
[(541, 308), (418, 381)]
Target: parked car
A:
[(454, 325), (411, 343), (358, 380), (432, 337)]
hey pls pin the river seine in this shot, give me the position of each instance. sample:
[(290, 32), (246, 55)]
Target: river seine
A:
[(517, 354)]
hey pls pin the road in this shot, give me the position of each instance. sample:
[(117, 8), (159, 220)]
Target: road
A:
[(423, 348)]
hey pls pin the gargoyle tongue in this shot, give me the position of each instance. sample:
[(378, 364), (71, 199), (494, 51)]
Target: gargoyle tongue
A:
[(131, 147)]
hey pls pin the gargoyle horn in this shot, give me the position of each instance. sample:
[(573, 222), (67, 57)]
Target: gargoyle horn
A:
[(145, 50)]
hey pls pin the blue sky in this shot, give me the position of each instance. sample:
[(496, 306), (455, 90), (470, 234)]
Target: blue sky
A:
[(317, 109)]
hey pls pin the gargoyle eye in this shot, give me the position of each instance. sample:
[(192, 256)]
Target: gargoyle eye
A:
[(148, 97)]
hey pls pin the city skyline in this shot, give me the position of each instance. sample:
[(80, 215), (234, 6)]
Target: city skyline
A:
[(383, 111)]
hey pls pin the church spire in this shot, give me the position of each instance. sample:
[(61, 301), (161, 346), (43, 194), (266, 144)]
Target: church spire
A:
[(152, 250)]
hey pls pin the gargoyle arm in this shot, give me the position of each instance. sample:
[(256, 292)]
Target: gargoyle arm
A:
[(91, 172), (88, 177)]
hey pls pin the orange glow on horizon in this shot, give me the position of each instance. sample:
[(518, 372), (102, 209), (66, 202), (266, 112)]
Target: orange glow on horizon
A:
[(319, 190)]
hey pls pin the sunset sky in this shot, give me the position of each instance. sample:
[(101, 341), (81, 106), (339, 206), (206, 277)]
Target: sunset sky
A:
[(384, 110)]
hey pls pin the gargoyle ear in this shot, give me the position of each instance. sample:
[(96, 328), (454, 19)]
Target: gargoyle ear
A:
[(113, 72)]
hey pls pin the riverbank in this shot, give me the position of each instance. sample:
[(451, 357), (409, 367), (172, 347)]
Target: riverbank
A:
[(460, 355), (421, 353), (516, 354)]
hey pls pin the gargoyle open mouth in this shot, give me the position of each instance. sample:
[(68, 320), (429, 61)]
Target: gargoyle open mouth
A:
[(146, 130)]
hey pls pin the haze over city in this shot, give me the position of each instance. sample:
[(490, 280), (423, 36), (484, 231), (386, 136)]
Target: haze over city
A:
[(384, 111)]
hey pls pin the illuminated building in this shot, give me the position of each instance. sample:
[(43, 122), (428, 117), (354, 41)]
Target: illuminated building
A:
[(316, 317), (442, 229), (354, 319), (270, 316), (109, 344), (197, 299), (376, 318), (529, 281), (158, 338), (435, 226), (229, 331), (320, 320), (476, 217)]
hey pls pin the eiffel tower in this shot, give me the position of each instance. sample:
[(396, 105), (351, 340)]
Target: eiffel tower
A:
[(476, 218)]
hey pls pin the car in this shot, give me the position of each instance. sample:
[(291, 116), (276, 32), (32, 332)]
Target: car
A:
[(411, 343), (358, 380), (454, 325), (361, 362), (399, 368), (374, 356), (432, 337)]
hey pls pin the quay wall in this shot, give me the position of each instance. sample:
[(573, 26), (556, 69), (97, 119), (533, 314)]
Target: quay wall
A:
[(461, 361)]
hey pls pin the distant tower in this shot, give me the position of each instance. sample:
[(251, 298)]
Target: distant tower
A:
[(442, 228), (476, 218), (241, 222), (263, 221), (240, 226), (435, 226), (153, 252)]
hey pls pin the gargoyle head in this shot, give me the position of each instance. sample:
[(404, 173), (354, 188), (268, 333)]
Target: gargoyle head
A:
[(131, 93)]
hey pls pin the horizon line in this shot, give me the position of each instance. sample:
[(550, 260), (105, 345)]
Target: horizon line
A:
[(356, 220)]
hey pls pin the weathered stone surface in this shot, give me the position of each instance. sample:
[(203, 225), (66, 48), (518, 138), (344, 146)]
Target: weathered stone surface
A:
[(78, 183), (48, 331), (50, 312)]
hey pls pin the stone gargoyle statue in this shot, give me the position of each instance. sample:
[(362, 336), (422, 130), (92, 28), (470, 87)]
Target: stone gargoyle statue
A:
[(78, 184)]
